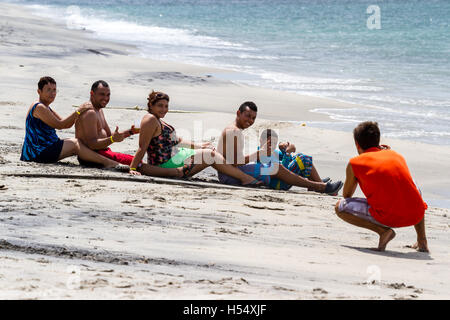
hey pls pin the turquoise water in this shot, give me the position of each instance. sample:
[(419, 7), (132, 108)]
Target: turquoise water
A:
[(321, 48)]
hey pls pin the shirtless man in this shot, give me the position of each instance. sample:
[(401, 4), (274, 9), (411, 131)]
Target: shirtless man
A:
[(231, 145), (93, 130)]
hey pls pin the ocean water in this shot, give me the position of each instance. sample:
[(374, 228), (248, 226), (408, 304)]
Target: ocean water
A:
[(391, 56)]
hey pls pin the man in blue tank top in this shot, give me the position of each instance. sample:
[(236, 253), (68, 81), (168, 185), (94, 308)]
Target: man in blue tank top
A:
[(41, 144)]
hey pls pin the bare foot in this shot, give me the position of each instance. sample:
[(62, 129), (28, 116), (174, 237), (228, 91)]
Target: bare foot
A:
[(384, 239), (421, 246), (179, 172), (119, 167), (110, 164)]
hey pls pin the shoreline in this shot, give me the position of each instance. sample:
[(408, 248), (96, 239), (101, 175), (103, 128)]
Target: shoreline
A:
[(226, 77), (319, 105), (69, 232)]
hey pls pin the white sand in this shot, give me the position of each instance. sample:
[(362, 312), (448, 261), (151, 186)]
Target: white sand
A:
[(81, 238)]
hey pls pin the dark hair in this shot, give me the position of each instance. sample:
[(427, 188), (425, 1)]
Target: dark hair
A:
[(97, 83), (45, 80), (155, 96), (367, 134), (268, 134), (251, 105)]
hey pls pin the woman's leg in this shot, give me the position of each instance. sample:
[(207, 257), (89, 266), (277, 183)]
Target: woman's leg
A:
[(155, 171), (73, 146)]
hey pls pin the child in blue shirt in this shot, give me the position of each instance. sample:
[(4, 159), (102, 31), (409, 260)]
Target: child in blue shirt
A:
[(298, 163)]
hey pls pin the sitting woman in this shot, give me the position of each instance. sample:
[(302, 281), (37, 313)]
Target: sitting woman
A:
[(41, 143), (180, 158)]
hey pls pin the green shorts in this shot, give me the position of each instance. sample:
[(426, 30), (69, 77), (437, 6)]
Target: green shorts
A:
[(178, 160)]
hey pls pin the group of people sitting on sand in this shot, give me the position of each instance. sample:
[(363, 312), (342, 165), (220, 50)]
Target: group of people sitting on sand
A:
[(168, 155), (393, 200)]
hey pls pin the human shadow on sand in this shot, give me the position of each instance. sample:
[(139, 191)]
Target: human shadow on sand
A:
[(415, 255)]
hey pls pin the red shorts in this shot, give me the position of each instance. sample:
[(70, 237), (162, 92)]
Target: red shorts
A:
[(119, 157), (116, 156)]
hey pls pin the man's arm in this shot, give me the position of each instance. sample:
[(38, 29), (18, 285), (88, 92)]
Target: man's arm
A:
[(57, 115), (255, 156), (233, 148), (88, 123), (266, 150), (50, 118), (54, 120), (350, 182)]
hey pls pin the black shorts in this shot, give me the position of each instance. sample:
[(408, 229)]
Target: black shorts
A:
[(51, 153)]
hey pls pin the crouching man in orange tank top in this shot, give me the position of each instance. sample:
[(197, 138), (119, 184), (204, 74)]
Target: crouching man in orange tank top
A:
[(392, 198)]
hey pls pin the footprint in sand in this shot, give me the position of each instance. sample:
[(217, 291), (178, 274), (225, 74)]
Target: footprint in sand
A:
[(319, 291), (8, 103)]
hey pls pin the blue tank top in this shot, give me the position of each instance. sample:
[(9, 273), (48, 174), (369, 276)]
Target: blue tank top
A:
[(38, 137)]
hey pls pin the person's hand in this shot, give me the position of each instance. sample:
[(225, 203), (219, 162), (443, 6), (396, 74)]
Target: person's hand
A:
[(208, 145), (287, 147), (84, 107), (290, 148), (134, 129), (127, 133), (180, 172), (385, 147), (130, 132), (283, 146), (135, 173), (118, 136)]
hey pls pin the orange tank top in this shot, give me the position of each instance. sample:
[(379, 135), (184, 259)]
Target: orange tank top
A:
[(385, 180)]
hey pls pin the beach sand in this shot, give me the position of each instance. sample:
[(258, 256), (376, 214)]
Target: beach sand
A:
[(68, 232)]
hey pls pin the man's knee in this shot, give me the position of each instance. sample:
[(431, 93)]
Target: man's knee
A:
[(212, 157), (341, 214), (211, 153), (336, 207), (74, 145), (279, 171)]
